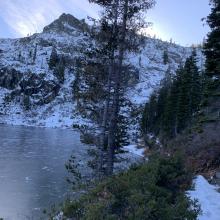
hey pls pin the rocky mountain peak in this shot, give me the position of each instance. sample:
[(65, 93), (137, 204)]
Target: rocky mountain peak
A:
[(34, 93), (66, 23)]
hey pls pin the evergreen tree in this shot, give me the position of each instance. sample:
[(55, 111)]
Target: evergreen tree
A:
[(171, 108), (60, 69), (19, 56), (196, 84), (121, 137), (162, 99), (212, 53), (35, 53), (165, 57), (161, 103), (189, 92), (183, 108), (76, 83), (212, 46), (150, 114), (169, 128), (57, 64), (53, 58), (30, 54), (26, 102), (121, 21), (144, 120)]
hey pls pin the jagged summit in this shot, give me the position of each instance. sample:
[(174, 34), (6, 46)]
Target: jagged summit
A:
[(66, 23)]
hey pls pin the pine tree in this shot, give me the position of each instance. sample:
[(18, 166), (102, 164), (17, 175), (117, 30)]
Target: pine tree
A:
[(76, 83), (196, 84), (165, 57), (35, 54), (163, 93), (53, 58), (150, 114), (19, 56), (183, 108), (121, 20), (161, 103), (169, 128), (212, 53), (144, 120), (60, 69), (190, 92), (93, 93), (212, 48)]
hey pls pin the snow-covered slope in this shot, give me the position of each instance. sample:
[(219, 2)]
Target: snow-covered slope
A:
[(150, 63), (208, 197), (32, 94)]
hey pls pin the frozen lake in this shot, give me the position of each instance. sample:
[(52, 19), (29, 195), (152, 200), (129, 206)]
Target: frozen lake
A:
[(32, 171)]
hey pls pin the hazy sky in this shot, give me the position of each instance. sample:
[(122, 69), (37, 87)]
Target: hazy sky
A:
[(176, 19)]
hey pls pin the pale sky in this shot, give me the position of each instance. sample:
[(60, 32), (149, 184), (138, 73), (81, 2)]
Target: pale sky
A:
[(176, 19)]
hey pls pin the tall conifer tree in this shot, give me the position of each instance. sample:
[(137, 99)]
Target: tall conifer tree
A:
[(125, 19), (212, 46)]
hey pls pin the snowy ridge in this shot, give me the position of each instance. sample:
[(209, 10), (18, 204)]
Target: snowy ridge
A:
[(152, 68), (24, 71)]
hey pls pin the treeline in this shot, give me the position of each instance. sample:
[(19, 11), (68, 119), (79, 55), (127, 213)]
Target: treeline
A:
[(172, 107)]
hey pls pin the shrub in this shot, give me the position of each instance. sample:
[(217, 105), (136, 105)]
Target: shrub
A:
[(153, 191)]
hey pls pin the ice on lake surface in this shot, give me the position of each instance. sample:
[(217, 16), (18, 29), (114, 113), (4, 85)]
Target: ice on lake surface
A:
[(32, 171)]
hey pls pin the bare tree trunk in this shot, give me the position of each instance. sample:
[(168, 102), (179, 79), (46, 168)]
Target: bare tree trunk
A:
[(104, 125), (116, 99), (107, 101)]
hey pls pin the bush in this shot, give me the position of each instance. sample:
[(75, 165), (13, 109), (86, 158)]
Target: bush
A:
[(153, 191)]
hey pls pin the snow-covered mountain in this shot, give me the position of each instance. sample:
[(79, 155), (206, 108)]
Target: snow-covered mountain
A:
[(33, 94)]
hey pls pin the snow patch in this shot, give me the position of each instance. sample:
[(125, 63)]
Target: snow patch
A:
[(208, 197), (134, 150)]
